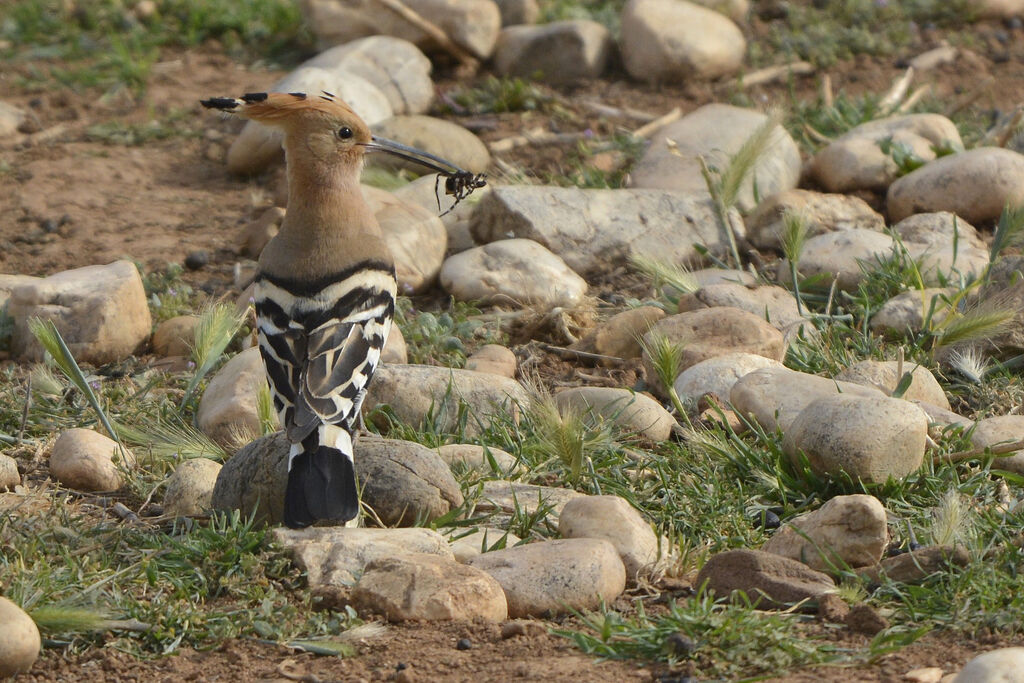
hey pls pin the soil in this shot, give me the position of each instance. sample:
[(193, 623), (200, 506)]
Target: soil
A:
[(68, 200)]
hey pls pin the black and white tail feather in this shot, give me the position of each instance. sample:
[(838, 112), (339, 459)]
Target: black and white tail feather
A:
[(321, 342)]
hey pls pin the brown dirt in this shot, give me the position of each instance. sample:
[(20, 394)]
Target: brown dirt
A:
[(157, 202)]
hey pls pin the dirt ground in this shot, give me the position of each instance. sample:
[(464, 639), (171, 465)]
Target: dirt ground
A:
[(69, 201)]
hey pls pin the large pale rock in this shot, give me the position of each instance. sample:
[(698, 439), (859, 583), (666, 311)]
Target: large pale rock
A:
[(1004, 665), (512, 496), (9, 282), (553, 577), (768, 580), (467, 543), (939, 228), (85, 460), (10, 118), (472, 24), (705, 277), (190, 487), (515, 12), (259, 145), (336, 556), (772, 304), (401, 481), (736, 10), (718, 374), (559, 52), (596, 230), (100, 311), (479, 458), (905, 313), (428, 194), (175, 336), (943, 263), (839, 255), (228, 407), (415, 236), (845, 531), (976, 185), (19, 639), (439, 137), (619, 336), (868, 439), (716, 132), (997, 9), (415, 393), (884, 375), (520, 272), (675, 40), (821, 212), (774, 396), (855, 161), (613, 519), (9, 475), (429, 588), (1003, 429), (633, 413)]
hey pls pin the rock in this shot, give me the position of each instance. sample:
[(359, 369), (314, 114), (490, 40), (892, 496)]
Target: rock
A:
[(554, 577), (939, 419), (774, 396), (472, 24), (905, 313), (467, 543), (714, 332), (256, 234), (416, 392), (631, 412), (832, 608), (883, 375), (85, 460), (416, 238), (925, 674), (998, 666), (770, 303), (934, 58), (175, 336), (10, 119), (997, 9), (596, 230), (559, 52), (100, 311), (19, 639), (426, 193), (822, 213), (227, 411), (868, 439), (718, 374), (675, 40), (716, 132), (9, 475), (8, 283), (943, 263), (975, 185), (336, 556), (190, 487), (766, 579), (736, 10), (474, 457), (439, 137), (865, 619), (510, 496), (917, 564), (429, 588), (855, 160), (939, 228), (493, 359), (259, 145), (1005, 290), (400, 480), (838, 255), (395, 66), (518, 272), (522, 627), (395, 351), (847, 531), (705, 277), (993, 431), (619, 336), (515, 12), (615, 520)]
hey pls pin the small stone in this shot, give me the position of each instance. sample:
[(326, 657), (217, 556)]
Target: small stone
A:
[(917, 564), (85, 460), (633, 413), (838, 256), (190, 487), (255, 235), (395, 350), (832, 608), (439, 137), (175, 336), (464, 644), (763, 577), (821, 212), (512, 496), (494, 359), (614, 519), (522, 627), (11, 118), (556, 52), (619, 336), (467, 543), (719, 374), (9, 475), (865, 619), (883, 375), (455, 215), (773, 304), (474, 457), (928, 674), (998, 666), (228, 408), (905, 313), (19, 639), (939, 228), (680, 644)]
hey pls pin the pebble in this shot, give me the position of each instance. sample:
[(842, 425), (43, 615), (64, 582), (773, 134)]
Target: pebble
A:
[(522, 627), (85, 460), (992, 431), (415, 236), (619, 336), (494, 359), (516, 272), (847, 531), (675, 40), (197, 259), (884, 376), (101, 312), (633, 413), (549, 578), (439, 137), (838, 256), (9, 475), (474, 457), (190, 487), (998, 666), (821, 212), (11, 118), (938, 228), (19, 639), (615, 520), (715, 131), (868, 439), (905, 313), (227, 410), (456, 217), (175, 336), (866, 619), (515, 12), (395, 350), (919, 563), (718, 375), (768, 580), (511, 496), (427, 587), (467, 543), (832, 608), (769, 302), (255, 235), (556, 52)]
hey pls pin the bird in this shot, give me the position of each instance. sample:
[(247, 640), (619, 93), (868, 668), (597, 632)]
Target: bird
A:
[(325, 292)]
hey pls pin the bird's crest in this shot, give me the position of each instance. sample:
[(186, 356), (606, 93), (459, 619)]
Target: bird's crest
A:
[(278, 106)]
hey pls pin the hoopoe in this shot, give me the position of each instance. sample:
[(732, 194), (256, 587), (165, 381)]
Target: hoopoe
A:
[(325, 292)]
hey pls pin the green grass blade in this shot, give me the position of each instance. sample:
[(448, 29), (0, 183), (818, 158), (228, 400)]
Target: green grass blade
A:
[(217, 326)]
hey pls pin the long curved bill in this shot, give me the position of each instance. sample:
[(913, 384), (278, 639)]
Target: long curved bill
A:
[(435, 163)]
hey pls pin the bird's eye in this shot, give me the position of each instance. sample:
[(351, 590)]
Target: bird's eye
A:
[(344, 132)]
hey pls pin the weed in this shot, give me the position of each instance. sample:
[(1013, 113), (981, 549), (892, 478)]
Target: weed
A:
[(498, 95), (441, 338)]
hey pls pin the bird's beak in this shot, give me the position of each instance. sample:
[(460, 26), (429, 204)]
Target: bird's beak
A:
[(418, 156)]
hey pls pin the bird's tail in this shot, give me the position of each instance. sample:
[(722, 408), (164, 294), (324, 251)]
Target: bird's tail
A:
[(321, 479)]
